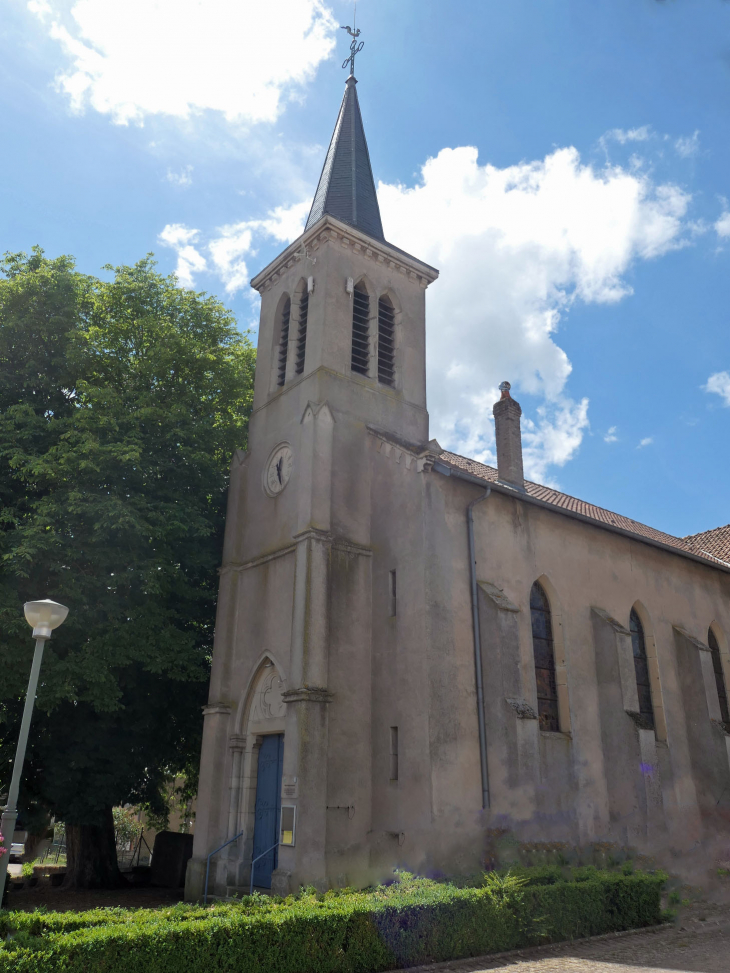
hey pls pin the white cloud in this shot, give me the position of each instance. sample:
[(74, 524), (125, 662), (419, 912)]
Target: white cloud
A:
[(41, 8), (134, 58), (189, 260), (647, 441), (183, 178), (719, 383), (611, 436), (228, 248), (227, 252), (688, 146), (722, 226), (623, 135), (516, 247)]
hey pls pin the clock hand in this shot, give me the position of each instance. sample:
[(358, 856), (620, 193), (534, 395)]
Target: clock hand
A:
[(279, 465)]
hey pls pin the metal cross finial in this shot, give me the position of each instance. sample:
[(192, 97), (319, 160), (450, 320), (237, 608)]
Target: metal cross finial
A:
[(355, 48)]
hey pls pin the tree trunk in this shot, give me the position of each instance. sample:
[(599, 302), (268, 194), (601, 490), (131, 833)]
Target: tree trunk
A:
[(91, 855)]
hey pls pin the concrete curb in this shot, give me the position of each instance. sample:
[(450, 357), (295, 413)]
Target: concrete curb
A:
[(529, 952)]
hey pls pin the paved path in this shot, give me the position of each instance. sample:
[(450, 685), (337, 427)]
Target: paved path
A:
[(698, 943)]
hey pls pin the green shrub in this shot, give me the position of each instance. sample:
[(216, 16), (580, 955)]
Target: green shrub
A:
[(412, 921)]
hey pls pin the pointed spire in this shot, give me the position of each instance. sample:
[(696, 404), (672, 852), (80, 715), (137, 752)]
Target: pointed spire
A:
[(346, 187)]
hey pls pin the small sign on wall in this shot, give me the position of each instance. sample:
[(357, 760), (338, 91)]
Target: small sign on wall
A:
[(289, 786), (288, 822)]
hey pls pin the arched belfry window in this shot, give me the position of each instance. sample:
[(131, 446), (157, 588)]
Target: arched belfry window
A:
[(544, 651), (360, 359), (641, 667), (283, 340), (719, 676), (386, 341), (302, 331)]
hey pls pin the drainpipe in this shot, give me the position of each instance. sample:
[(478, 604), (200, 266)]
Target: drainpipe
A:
[(449, 471)]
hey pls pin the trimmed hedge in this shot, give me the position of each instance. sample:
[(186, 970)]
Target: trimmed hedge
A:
[(413, 921)]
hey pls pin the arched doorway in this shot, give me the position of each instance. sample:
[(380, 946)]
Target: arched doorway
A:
[(262, 720)]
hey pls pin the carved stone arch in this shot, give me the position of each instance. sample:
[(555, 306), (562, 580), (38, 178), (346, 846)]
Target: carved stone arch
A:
[(364, 353), (261, 702), (389, 338), (722, 642), (260, 712), (298, 329), (657, 698), (392, 296), (559, 651), (719, 632), (364, 281), (276, 336)]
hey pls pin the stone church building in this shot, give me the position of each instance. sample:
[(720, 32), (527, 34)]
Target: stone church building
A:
[(414, 649)]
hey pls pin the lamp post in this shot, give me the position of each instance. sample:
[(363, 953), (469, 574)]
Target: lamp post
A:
[(44, 616)]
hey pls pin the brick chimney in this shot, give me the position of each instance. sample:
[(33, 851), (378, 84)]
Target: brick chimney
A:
[(507, 414)]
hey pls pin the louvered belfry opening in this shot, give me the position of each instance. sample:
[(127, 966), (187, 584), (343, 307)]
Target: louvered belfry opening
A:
[(302, 332), (386, 342), (360, 360), (719, 677), (544, 651), (641, 667), (284, 340)]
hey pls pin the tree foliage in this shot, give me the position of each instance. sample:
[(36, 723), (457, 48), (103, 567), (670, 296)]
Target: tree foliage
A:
[(121, 403)]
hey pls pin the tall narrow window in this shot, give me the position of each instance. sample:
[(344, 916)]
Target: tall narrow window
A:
[(394, 753), (386, 342), (360, 330), (392, 593), (302, 332), (719, 676), (284, 341), (641, 667), (544, 650)]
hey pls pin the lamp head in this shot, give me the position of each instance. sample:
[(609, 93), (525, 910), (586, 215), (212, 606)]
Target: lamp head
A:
[(44, 616)]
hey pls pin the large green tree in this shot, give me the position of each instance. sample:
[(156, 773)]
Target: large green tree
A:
[(121, 402)]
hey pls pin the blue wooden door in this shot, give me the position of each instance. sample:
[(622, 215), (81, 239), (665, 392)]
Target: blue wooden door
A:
[(268, 808)]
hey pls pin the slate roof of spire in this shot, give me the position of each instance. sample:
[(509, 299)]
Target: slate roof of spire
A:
[(346, 187)]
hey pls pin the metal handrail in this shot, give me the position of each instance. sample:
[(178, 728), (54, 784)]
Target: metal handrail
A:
[(207, 867), (254, 860)]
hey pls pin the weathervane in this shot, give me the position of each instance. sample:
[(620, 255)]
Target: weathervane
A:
[(355, 48)]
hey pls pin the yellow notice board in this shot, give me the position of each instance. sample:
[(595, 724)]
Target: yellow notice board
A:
[(288, 818)]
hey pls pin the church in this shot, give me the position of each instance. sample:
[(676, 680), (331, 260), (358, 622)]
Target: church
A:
[(415, 652)]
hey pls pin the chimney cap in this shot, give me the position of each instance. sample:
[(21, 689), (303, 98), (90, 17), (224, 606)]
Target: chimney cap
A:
[(504, 388)]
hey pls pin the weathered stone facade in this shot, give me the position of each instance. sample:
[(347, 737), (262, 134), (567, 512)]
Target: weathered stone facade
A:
[(345, 623)]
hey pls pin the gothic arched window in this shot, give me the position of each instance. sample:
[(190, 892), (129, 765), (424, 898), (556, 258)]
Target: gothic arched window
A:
[(302, 331), (544, 651), (284, 340), (386, 341), (360, 359), (641, 667), (719, 676)]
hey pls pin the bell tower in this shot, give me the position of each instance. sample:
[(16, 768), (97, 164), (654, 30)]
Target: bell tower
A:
[(341, 354), (343, 307)]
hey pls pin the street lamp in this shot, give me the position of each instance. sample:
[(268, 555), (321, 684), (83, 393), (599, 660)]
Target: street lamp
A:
[(43, 616)]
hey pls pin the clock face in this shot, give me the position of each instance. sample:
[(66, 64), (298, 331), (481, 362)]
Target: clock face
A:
[(278, 470)]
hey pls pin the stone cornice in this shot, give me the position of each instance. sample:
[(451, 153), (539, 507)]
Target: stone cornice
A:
[(498, 596), (417, 457), (311, 533), (307, 694), (616, 626), (327, 230), (690, 638)]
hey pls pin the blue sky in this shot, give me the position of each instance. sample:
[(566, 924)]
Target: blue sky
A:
[(564, 163)]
